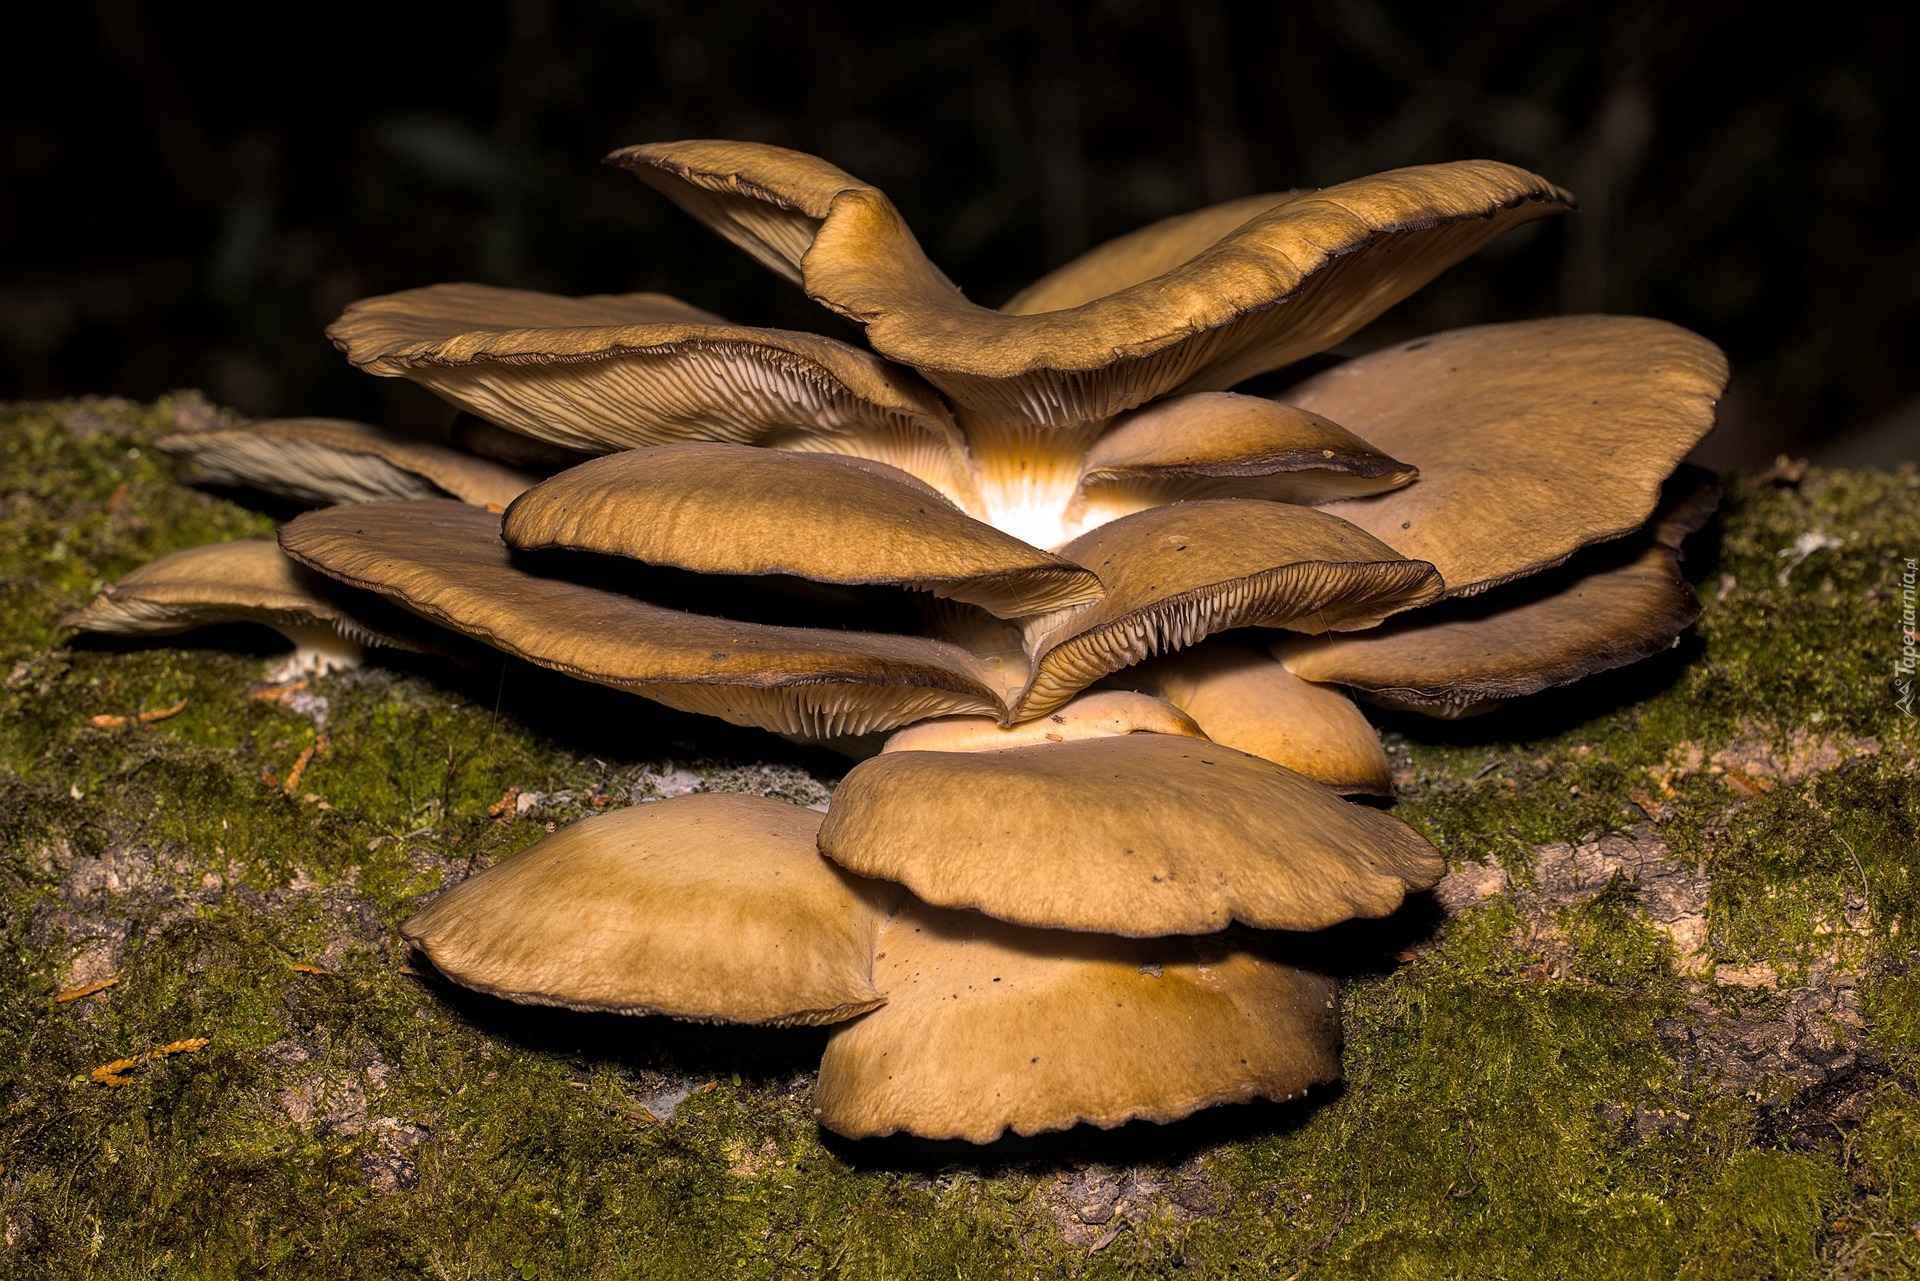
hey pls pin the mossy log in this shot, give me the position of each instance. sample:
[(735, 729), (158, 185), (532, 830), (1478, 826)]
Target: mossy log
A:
[(1661, 1019)]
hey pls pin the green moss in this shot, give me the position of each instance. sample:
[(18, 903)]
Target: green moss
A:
[(1513, 1107), (1763, 1214)]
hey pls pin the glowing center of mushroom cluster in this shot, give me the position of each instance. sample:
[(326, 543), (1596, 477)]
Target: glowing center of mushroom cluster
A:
[(1030, 487), (1040, 514)]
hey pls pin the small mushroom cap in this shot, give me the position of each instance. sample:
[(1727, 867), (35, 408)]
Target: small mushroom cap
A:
[(709, 907), (245, 581), (1243, 698), (620, 371), (1606, 608), (1218, 444), (1287, 282), (1176, 574), (989, 1028), (331, 460), (1137, 835), (1532, 439), (253, 581), (394, 327), (445, 562), (732, 509), (1104, 714)]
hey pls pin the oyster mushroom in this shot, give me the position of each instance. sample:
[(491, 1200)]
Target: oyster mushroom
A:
[(946, 1024), (1242, 697), (1223, 445), (1134, 835), (1177, 574), (619, 371), (728, 509), (245, 581), (1289, 281), (1533, 439), (990, 1028), (1073, 497), (445, 562), (1603, 609), (623, 911), (331, 460)]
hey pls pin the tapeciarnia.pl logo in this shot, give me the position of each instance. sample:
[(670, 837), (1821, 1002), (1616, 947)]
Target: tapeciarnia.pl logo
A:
[(1903, 664)]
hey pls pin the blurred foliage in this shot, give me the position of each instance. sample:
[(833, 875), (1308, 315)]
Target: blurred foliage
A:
[(191, 193)]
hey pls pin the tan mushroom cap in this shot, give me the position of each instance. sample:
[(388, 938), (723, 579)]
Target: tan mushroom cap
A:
[(1243, 698), (1219, 444), (709, 907), (332, 460), (1176, 574), (769, 201), (1104, 714), (1139, 255), (989, 1028), (621, 371), (446, 563), (1136, 835), (1284, 284), (1532, 439), (732, 509), (1610, 607), (245, 581)]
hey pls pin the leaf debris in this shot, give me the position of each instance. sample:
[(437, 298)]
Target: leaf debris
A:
[(142, 718), (85, 990), (116, 1072)]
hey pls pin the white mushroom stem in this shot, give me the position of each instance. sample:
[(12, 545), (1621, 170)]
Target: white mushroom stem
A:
[(317, 649), (1029, 478)]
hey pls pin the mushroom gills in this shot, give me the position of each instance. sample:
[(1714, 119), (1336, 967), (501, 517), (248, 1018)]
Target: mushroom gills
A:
[(331, 460), (252, 581)]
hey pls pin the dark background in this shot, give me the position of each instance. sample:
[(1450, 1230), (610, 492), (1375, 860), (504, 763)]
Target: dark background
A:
[(189, 196)]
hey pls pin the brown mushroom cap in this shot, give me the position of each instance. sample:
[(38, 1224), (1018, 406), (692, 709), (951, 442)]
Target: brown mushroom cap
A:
[(446, 563), (620, 371), (989, 1028), (1532, 439), (1217, 444), (627, 911), (1284, 284), (252, 581), (1139, 255), (769, 201), (1176, 574), (1137, 835), (331, 460), (1242, 698), (244, 581), (731, 509), (1608, 607), (1102, 714)]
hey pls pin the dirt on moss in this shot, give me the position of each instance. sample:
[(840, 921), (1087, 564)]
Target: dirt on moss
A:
[(1662, 1018)]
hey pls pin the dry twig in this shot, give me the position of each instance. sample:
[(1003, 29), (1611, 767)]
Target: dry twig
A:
[(143, 718)]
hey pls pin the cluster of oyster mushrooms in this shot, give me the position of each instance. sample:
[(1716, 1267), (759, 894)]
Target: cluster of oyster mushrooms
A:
[(1091, 620)]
